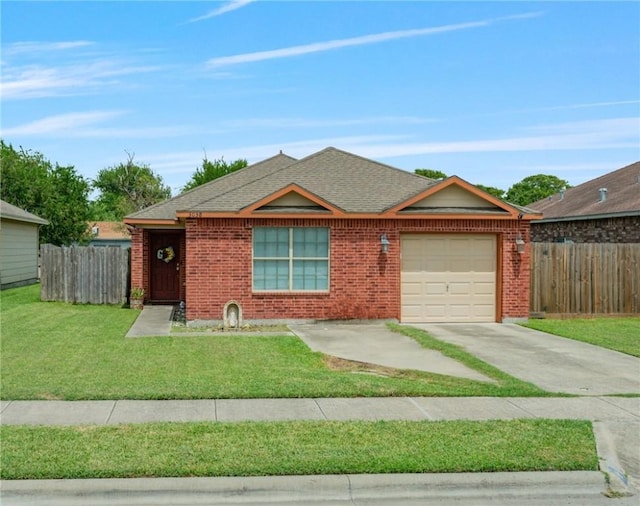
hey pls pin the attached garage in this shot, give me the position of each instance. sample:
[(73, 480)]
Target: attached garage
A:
[(448, 278)]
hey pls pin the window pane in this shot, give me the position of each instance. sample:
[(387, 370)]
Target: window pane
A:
[(310, 242), (271, 242), (271, 275), (310, 275)]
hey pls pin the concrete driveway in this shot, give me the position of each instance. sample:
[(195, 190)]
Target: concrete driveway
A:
[(552, 363), (374, 343)]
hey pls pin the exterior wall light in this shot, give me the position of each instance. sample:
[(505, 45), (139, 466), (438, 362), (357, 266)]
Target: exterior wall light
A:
[(384, 244), (519, 244)]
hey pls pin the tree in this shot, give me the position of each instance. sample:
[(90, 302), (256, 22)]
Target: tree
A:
[(213, 170), (127, 188), (492, 190), (431, 173), (55, 193), (534, 188)]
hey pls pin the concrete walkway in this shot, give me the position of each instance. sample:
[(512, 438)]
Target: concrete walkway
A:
[(152, 321), (553, 363)]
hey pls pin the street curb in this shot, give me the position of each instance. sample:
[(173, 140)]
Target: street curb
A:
[(338, 488), (616, 476)]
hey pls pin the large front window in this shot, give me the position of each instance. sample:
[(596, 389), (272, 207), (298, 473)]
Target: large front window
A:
[(291, 259)]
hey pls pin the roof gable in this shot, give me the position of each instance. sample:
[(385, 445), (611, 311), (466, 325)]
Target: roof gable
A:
[(582, 201), (455, 196), (291, 199)]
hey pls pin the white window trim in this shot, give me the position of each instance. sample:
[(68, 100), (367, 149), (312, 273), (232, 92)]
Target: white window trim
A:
[(291, 259)]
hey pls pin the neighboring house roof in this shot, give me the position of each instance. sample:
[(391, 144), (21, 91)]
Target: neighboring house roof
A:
[(109, 230), (330, 181), (585, 202), (12, 212)]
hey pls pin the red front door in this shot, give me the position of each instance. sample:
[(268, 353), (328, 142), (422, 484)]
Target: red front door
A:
[(164, 259)]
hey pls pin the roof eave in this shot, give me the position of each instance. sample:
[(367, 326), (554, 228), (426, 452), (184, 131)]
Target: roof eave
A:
[(24, 219), (585, 217), (151, 221), (356, 215)]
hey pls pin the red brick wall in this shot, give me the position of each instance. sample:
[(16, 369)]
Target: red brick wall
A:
[(364, 283), (139, 259), (624, 229)]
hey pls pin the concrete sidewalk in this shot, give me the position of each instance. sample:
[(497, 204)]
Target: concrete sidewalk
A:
[(109, 412)]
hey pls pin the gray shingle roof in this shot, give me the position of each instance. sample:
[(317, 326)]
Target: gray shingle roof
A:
[(190, 199), (345, 181), (623, 196), (12, 212)]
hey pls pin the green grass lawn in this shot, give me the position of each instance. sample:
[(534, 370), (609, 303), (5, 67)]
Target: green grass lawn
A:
[(620, 334), (295, 448), (54, 350)]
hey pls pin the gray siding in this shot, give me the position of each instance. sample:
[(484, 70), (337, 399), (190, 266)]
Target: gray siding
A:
[(18, 253)]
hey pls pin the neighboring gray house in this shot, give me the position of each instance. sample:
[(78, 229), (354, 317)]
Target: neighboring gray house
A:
[(605, 209), (18, 246)]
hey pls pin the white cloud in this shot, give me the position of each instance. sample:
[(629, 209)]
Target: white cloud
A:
[(606, 127), (84, 125), (317, 123), (187, 161), (61, 123), (564, 107), (231, 6), (41, 47), (586, 106), (354, 41), (35, 81), (616, 133)]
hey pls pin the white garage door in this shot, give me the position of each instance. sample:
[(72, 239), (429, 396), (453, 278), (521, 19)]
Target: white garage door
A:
[(448, 278)]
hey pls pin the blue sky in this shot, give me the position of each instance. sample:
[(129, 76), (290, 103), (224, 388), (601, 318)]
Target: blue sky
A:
[(489, 91)]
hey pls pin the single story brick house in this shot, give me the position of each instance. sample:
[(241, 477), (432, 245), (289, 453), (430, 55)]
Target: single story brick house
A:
[(605, 209), (334, 236)]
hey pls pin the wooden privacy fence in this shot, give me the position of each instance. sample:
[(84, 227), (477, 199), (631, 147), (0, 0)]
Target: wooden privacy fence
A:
[(84, 275), (585, 278)]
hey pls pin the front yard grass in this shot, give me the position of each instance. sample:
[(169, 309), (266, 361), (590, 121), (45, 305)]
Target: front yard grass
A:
[(71, 352), (295, 448), (619, 334)]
